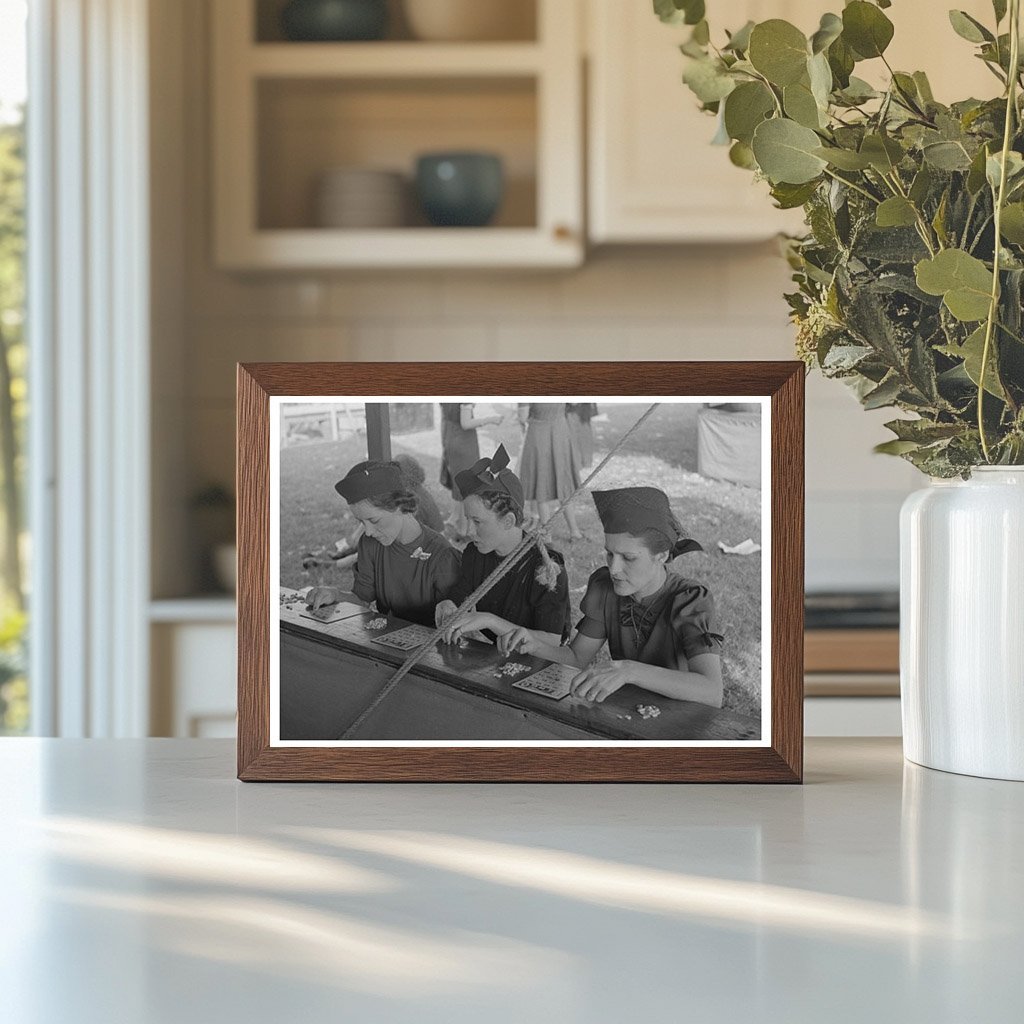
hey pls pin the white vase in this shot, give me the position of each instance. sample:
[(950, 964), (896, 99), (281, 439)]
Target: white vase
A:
[(962, 624)]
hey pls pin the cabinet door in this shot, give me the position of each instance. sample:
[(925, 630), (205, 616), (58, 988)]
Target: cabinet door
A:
[(653, 174)]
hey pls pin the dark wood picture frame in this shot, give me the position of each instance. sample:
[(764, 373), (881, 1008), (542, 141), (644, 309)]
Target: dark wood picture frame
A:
[(780, 761)]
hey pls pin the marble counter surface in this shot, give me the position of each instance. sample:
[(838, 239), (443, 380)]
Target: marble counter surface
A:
[(144, 884)]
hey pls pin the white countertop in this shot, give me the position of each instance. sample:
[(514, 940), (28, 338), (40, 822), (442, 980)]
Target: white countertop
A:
[(143, 884)]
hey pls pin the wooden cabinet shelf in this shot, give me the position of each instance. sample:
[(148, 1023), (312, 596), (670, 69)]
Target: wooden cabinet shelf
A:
[(286, 114), (393, 60)]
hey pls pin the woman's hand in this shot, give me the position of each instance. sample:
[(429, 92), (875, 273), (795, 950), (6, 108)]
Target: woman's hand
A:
[(495, 420), (320, 596), (473, 621), (597, 682), (443, 612), (518, 641)]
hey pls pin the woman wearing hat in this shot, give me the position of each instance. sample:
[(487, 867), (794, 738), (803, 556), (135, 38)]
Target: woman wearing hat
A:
[(661, 628), (401, 565), (535, 593)]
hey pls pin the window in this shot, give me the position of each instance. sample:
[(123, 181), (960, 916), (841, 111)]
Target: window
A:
[(14, 694)]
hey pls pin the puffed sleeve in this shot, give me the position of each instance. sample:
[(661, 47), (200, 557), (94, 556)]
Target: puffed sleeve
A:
[(551, 607), (695, 622), (593, 622), (446, 572), (463, 586), (364, 585)]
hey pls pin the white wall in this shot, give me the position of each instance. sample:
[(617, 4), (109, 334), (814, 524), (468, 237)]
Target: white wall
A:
[(721, 302)]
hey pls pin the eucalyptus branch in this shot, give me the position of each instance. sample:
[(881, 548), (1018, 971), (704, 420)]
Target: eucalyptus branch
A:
[(923, 228), (854, 186), (993, 308)]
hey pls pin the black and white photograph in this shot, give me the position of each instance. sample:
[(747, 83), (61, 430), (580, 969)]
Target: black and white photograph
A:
[(520, 570)]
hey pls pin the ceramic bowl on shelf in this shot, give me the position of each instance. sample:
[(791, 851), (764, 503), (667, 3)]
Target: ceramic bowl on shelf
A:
[(460, 189), (361, 198), (334, 20), (470, 20)]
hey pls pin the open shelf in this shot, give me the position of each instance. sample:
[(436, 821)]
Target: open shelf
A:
[(393, 60), (520, 17), (288, 113), (306, 128)]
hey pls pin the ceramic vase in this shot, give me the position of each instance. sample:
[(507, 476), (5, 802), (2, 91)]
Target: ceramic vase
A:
[(962, 624)]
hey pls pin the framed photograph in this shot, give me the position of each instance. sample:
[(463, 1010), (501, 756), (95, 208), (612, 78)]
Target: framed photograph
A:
[(520, 571)]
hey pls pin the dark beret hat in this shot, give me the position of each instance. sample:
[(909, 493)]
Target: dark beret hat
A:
[(491, 474), (365, 480)]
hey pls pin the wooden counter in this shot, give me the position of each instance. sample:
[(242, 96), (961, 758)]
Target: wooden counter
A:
[(331, 672)]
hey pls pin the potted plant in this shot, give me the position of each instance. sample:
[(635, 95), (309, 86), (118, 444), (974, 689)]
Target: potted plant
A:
[(214, 509), (909, 285)]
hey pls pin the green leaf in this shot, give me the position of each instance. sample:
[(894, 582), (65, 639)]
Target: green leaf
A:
[(885, 394), (844, 159), (677, 12), (708, 81), (800, 105), (923, 431), (994, 167), (968, 28), (739, 41), (829, 30), (866, 29), (896, 212), (779, 51), (921, 185), (785, 152), (924, 88), (883, 153), (963, 281), (895, 447), (939, 220), (820, 75), (841, 60), (971, 352), (1011, 226), (857, 91), (701, 33), (789, 197), (946, 156), (745, 108), (742, 155), (999, 7), (976, 174)]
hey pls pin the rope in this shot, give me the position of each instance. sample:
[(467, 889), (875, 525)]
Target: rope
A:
[(530, 539)]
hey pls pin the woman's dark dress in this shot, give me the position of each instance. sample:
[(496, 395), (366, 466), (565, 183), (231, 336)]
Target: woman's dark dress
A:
[(666, 629), (459, 447), (518, 597), (407, 580)]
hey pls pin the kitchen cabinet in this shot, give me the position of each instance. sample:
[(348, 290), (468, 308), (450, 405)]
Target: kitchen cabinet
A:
[(286, 113), (653, 175)]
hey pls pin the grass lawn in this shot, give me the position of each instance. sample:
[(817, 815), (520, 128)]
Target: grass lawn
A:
[(662, 453)]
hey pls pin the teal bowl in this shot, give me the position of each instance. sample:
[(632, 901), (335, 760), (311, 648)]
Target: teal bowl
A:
[(462, 190), (333, 21)]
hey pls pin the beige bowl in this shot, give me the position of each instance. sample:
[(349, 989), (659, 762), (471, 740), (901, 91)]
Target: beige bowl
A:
[(471, 20)]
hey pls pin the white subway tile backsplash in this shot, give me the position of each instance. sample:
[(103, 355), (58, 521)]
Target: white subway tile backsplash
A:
[(411, 296), (646, 285), (717, 302), (510, 297)]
